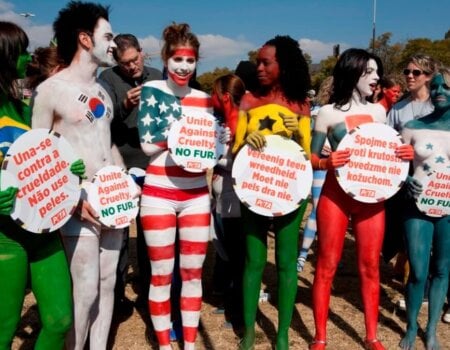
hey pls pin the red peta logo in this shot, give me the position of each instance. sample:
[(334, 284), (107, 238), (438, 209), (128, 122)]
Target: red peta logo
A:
[(59, 216), (367, 193), (263, 204)]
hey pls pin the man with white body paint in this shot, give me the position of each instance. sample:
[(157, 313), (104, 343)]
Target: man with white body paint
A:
[(75, 105)]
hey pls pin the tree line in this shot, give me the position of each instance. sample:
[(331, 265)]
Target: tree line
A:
[(393, 56)]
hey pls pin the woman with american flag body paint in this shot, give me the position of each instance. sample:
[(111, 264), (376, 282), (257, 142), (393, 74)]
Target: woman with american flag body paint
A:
[(173, 199)]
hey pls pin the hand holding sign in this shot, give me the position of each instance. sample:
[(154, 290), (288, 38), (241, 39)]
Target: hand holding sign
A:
[(374, 171), (275, 181), (114, 195), (7, 199), (38, 164)]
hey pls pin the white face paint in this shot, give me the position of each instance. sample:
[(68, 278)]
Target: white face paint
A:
[(181, 65), (103, 42), (368, 81)]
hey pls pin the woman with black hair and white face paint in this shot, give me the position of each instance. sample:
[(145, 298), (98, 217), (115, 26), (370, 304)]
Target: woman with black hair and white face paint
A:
[(355, 77)]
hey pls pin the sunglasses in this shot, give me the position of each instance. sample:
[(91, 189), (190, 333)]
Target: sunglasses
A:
[(415, 72)]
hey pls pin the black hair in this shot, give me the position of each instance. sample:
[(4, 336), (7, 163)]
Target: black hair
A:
[(351, 65), (75, 18), (124, 42), (295, 80)]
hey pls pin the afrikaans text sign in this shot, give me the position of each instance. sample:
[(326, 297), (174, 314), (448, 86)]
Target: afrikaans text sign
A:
[(275, 181)]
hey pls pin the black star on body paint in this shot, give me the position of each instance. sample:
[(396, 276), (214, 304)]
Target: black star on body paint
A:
[(266, 123)]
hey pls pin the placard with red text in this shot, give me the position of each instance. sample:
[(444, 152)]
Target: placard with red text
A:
[(435, 197), (374, 173), (275, 181), (194, 141), (38, 163), (115, 196)]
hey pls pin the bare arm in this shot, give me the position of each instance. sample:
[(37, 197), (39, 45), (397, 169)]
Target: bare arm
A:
[(42, 108)]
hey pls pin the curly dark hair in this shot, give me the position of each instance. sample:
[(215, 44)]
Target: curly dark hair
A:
[(295, 80), (350, 66), (73, 19)]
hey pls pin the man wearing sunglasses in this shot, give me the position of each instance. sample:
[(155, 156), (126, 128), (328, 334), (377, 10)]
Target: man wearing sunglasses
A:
[(418, 73)]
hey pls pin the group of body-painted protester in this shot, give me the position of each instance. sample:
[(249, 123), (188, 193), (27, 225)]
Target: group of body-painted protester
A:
[(73, 271)]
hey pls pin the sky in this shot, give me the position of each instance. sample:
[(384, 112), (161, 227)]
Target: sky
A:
[(229, 29)]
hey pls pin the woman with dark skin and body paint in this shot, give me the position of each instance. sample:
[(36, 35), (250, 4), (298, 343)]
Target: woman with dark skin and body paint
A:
[(427, 238), (355, 76), (284, 80)]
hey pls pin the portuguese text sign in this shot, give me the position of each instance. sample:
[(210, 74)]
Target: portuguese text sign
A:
[(38, 164)]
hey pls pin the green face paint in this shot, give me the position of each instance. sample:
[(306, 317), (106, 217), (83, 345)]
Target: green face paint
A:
[(22, 63)]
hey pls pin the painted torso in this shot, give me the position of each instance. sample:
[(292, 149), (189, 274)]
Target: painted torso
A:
[(430, 139), (264, 114), (335, 123), (82, 113), (160, 107)]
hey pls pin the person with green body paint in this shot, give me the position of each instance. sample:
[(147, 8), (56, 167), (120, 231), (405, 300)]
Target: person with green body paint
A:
[(24, 255), (284, 79), (427, 238)]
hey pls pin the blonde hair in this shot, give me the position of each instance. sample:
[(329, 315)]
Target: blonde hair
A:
[(426, 63)]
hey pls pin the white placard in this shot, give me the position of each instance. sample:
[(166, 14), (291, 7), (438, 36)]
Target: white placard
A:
[(374, 173), (115, 196), (434, 200), (38, 163), (194, 141), (273, 182)]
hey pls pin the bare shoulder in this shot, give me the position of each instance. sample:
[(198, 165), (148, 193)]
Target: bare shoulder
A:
[(326, 112), (160, 84), (198, 94), (378, 112)]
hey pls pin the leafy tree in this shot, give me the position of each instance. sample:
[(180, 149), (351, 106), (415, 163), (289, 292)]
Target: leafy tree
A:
[(447, 35), (252, 55), (326, 69), (438, 49), (206, 80), (389, 54)]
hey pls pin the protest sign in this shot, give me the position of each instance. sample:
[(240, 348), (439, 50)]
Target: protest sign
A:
[(374, 173), (275, 181), (435, 197), (38, 164), (114, 195), (194, 141)]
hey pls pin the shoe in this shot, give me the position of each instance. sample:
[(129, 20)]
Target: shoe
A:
[(401, 304), (301, 263), (446, 317)]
